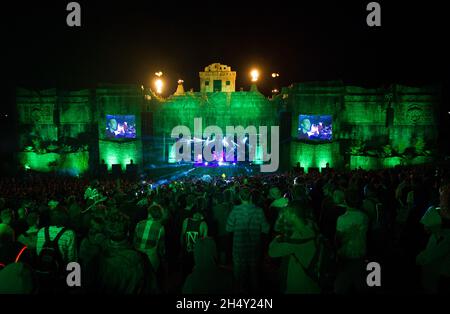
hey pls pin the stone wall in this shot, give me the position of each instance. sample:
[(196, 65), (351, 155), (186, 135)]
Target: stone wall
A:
[(69, 163), (372, 127), (397, 122)]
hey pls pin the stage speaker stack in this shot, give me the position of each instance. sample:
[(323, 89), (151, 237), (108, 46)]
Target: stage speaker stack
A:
[(116, 170), (132, 170)]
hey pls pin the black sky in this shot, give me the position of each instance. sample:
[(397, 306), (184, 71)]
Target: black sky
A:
[(127, 41)]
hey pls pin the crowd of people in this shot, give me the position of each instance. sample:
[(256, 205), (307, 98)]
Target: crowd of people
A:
[(280, 233)]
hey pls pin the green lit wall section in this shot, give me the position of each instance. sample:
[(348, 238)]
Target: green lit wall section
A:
[(372, 127), (71, 163), (314, 155), (359, 124), (221, 109), (249, 108), (119, 100), (315, 98), (373, 163), (364, 162), (116, 152)]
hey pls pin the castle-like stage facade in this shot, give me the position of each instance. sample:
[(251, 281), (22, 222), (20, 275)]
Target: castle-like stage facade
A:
[(111, 126)]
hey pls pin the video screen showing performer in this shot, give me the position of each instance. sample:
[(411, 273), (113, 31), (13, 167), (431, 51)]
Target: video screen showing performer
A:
[(120, 126), (315, 127)]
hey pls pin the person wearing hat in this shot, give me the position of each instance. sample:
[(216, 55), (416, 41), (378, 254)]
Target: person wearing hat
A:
[(435, 259), (93, 197)]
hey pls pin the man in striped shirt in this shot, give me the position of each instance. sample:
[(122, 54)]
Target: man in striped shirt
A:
[(149, 236), (247, 223)]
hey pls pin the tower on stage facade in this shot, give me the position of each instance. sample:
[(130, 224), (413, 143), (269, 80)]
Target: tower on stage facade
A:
[(217, 78)]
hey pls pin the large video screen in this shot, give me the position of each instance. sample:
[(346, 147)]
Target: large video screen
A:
[(315, 127), (120, 126)]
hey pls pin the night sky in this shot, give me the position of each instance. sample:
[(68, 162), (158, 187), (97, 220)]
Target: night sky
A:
[(127, 41)]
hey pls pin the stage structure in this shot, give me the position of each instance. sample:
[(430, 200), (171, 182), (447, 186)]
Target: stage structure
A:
[(320, 123)]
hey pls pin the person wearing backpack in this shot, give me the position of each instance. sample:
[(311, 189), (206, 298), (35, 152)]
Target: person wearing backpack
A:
[(55, 248), (299, 249)]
